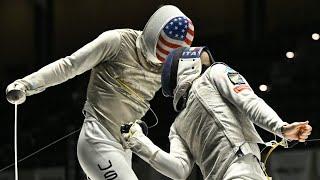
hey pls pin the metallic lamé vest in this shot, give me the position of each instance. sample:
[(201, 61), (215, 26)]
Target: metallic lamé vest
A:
[(214, 129), (122, 81), (120, 88)]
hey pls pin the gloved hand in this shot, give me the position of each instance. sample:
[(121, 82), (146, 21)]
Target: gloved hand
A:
[(139, 143), (16, 92)]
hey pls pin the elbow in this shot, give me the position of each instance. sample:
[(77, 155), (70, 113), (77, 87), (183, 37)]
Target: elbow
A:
[(181, 172), (171, 166)]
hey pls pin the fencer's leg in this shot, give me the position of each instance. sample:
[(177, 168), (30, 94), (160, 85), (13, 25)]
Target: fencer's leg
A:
[(245, 167), (101, 156)]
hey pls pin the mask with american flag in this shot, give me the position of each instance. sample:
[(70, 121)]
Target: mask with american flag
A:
[(167, 29), (178, 32)]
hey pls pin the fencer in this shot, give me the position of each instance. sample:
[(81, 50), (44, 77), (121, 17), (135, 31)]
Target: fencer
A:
[(215, 125), (126, 67)]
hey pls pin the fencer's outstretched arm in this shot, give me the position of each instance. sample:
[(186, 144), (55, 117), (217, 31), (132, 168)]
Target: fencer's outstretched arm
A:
[(236, 89), (102, 48), (177, 164)]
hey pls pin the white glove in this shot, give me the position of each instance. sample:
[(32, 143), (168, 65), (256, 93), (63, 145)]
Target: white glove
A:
[(139, 143), (16, 92), (176, 165)]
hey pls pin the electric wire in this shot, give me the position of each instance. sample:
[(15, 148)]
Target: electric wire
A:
[(41, 149), (129, 90)]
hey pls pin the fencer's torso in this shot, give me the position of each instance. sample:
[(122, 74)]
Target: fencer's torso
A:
[(210, 148), (121, 84), (213, 128), (121, 87)]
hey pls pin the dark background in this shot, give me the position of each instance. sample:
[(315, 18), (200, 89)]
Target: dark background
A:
[(252, 36)]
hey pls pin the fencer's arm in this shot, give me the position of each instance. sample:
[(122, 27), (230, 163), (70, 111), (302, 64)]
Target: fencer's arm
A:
[(236, 89), (103, 47), (177, 164)]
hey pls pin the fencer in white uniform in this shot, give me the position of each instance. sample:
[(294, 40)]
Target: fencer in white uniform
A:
[(215, 126), (126, 67)]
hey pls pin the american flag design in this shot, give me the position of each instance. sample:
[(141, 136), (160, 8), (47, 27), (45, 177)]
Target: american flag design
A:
[(178, 32)]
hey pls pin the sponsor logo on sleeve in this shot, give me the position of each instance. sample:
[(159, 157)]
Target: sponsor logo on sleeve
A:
[(235, 78)]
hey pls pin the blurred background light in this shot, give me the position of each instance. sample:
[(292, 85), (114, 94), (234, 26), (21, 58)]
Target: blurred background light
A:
[(290, 55), (263, 87), (315, 36)]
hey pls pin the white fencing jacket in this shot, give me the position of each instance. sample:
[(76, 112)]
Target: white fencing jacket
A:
[(217, 121), (116, 64)]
